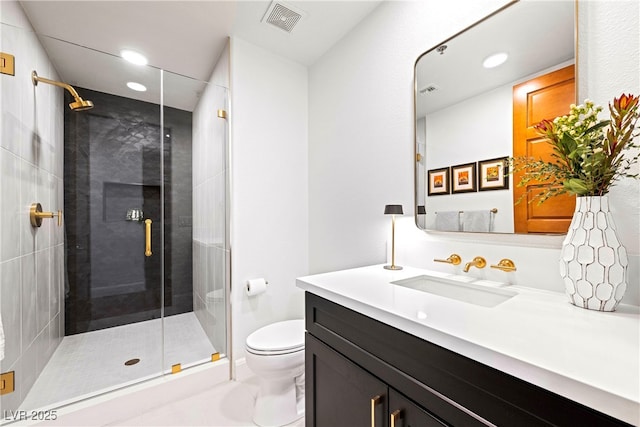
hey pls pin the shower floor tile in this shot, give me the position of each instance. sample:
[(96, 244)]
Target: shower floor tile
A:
[(93, 362)]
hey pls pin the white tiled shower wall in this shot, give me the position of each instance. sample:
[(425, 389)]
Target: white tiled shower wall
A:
[(31, 161)]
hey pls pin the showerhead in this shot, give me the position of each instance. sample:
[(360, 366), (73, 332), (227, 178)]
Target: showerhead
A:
[(81, 105), (78, 105)]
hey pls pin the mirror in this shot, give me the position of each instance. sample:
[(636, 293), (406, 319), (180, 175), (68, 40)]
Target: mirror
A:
[(464, 112)]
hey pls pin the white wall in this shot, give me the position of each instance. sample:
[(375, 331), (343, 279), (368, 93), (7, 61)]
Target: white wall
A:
[(361, 141), (609, 65), (361, 127), (31, 169), (269, 219)]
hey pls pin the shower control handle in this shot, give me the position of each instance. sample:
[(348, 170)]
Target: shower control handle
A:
[(36, 215), (147, 237)]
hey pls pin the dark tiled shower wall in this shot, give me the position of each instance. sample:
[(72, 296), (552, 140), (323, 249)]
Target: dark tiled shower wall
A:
[(112, 165)]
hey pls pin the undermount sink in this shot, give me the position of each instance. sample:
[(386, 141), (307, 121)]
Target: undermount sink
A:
[(465, 292)]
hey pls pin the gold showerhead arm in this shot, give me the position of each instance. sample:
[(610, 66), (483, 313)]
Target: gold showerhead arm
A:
[(36, 78), (79, 104)]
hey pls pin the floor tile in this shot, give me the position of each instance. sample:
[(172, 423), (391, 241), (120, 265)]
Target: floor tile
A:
[(229, 404), (93, 362)]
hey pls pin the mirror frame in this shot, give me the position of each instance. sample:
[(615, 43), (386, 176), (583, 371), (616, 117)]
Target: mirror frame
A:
[(535, 240)]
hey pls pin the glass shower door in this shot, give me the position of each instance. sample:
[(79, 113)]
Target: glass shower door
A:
[(195, 228), (114, 156)]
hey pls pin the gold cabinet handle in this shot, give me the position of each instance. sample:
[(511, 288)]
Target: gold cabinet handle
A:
[(374, 402), (505, 264), (395, 416), (453, 259), (36, 215), (147, 237)]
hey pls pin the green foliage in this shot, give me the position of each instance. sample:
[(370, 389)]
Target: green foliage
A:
[(589, 155)]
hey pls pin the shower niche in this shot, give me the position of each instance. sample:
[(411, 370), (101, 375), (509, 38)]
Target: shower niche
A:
[(116, 261)]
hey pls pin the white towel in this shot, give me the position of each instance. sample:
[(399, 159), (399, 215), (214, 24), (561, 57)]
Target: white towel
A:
[(1, 340), (476, 221), (448, 221)]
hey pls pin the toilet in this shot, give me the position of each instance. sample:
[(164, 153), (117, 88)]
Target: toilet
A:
[(275, 353)]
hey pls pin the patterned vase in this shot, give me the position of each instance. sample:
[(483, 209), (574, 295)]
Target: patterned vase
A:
[(593, 262)]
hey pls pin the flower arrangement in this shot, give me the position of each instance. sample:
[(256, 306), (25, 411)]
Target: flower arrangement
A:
[(588, 153)]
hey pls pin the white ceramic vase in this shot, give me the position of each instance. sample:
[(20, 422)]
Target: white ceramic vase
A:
[(593, 262)]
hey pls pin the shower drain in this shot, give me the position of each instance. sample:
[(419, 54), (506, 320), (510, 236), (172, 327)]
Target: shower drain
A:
[(131, 362)]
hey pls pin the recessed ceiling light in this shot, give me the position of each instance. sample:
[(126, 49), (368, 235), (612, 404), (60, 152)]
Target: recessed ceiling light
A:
[(136, 86), (133, 57), (494, 60)]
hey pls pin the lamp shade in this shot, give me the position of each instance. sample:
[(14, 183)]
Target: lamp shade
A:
[(393, 210)]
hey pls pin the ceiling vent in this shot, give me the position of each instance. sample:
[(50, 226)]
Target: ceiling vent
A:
[(428, 89), (283, 16)]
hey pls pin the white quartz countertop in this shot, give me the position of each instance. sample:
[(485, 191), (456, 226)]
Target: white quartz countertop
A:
[(588, 356)]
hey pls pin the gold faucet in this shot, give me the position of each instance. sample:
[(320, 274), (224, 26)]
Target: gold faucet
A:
[(477, 262), (453, 259)]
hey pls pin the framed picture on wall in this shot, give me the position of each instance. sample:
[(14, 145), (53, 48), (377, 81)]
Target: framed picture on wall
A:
[(493, 174), (463, 178), (438, 181)]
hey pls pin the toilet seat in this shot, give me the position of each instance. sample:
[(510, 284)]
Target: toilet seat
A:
[(277, 338)]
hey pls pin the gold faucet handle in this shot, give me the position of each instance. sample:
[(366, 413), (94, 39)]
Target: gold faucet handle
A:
[(505, 264), (453, 259)]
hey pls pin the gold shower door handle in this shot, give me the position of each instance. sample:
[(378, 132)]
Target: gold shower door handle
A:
[(147, 237)]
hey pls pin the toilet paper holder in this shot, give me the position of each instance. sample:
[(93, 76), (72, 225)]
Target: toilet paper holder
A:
[(255, 286)]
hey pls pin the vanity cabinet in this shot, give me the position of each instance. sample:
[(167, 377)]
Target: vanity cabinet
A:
[(360, 371), (347, 395)]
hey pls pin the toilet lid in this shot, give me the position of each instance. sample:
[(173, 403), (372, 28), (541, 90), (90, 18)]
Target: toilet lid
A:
[(279, 336)]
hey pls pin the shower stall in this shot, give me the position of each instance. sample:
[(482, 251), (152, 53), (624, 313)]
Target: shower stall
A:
[(137, 280)]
